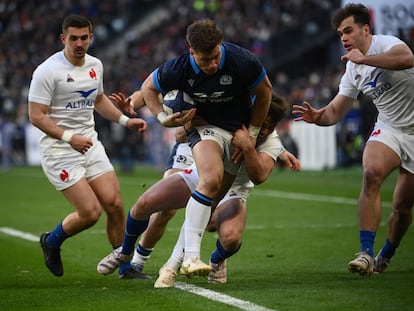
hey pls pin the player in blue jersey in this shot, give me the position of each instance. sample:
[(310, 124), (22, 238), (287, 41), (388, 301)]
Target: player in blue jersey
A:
[(221, 78), (173, 191), (64, 92)]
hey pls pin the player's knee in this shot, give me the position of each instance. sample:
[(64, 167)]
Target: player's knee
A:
[(374, 174)]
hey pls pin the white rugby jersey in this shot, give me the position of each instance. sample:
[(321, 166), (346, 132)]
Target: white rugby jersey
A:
[(272, 146), (392, 91), (70, 92)]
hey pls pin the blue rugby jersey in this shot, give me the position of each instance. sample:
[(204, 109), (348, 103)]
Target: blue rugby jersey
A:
[(222, 99)]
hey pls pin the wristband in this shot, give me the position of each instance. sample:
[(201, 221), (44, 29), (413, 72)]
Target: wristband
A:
[(161, 116), (254, 131), (123, 120), (67, 136)]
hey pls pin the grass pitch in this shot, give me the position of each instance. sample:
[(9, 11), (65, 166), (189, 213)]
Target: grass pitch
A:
[(301, 233)]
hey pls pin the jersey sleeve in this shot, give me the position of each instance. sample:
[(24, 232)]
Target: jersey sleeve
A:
[(41, 86)]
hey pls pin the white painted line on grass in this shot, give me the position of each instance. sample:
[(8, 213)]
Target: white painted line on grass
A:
[(20, 234), (228, 300), (209, 294), (310, 197)]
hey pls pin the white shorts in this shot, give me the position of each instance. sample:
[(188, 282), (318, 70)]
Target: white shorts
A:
[(222, 137), (402, 143), (66, 170), (183, 157), (240, 189)]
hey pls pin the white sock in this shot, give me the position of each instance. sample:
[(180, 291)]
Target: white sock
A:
[(139, 260), (177, 256), (197, 216)]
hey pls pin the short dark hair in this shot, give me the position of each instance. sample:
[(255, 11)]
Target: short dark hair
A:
[(204, 35), (278, 108), (77, 21), (357, 10)]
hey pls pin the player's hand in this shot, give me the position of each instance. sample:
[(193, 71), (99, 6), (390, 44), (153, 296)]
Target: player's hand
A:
[(123, 103), (81, 143), (307, 113), (241, 141), (290, 161), (355, 56), (137, 124), (176, 119)]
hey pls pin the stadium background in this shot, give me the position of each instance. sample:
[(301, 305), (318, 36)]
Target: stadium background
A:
[(292, 38)]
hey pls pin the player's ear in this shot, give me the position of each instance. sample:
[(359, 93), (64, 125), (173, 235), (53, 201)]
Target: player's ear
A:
[(62, 38)]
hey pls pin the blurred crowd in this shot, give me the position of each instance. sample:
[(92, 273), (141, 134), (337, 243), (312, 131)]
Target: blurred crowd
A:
[(29, 33)]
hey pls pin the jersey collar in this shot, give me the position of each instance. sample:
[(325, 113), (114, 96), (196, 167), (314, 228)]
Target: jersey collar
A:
[(197, 69)]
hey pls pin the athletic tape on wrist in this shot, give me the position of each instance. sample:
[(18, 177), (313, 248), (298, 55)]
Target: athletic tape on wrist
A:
[(161, 116), (254, 131), (67, 136), (123, 120)]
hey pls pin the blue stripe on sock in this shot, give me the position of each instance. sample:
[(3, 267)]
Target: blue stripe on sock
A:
[(201, 198)]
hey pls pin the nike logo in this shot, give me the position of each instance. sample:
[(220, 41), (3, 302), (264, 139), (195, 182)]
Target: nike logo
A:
[(374, 82), (85, 94)]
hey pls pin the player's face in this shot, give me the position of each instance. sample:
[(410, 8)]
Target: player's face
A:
[(353, 36), (267, 128), (76, 41), (208, 62)]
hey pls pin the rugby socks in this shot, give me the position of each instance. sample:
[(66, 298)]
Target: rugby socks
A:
[(197, 216), (388, 250), (56, 237), (141, 256), (177, 256), (220, 254), (367, 239), (134, 228)]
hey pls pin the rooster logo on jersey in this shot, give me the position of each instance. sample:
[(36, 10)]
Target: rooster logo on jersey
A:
[(92, 74)]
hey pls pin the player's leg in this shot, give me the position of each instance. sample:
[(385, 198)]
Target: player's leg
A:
[(399, 220), (378, 162), (230, 219), (159, 220), (168, 193), (208, 158), (86, 214)]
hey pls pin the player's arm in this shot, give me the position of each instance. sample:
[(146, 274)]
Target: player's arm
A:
[(107, 110), (38, 116), (128, 104), (399, 57), (258, 164), (325, 116), (151, 98), (263, 92)]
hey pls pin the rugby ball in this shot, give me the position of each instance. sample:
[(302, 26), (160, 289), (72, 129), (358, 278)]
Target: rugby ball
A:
[(177, 101)]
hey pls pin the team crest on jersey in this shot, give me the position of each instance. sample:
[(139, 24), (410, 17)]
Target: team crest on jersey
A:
[(69, 78), (92, 73), (226, 80)]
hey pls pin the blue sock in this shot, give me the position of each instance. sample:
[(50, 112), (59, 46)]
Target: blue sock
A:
[(388, 249), (124, 266), (219, 254), (133, 230), (56, 237), (367, 239)]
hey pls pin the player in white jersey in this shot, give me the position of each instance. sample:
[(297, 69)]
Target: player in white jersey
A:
[(64, 92), (381, 67)]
